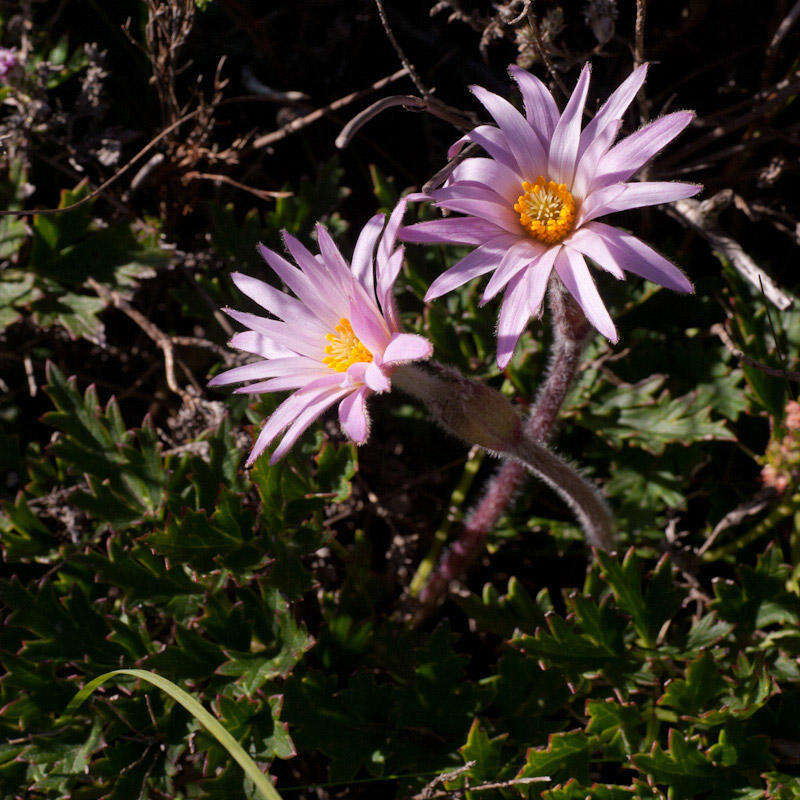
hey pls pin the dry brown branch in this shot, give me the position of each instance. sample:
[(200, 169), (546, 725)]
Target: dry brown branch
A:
[(537, 39), (430, 792), (412, 72), (641, 13), (444, 173), (702, 216), (302, 122), (779, 35), (262, 194), (151, 329), (731, 347), (458, 119), (749, 508)]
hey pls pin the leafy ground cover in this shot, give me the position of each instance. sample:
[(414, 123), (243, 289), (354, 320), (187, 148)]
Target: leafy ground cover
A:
[(132, 537)]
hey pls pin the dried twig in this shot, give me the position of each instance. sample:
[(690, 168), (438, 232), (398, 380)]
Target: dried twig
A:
[(749, 508), (730, 345), (444, 173), (412, 72), (302, 122), (641, 12), (430, 104), (537, 40), (151, 329), (701, 216), (262, 194)]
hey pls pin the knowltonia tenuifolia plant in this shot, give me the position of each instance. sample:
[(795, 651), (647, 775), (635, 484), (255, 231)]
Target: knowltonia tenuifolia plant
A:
[(531, 208)]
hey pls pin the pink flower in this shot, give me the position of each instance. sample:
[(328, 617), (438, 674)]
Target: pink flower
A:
[(532, 206), (337, 341), (8, 60)]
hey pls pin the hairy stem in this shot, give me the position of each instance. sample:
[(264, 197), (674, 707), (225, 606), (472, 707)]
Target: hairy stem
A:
[(571, 330)]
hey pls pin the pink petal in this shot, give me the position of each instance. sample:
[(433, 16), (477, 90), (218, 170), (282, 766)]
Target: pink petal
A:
[(300, 284), (633, 255), (483, 203), (590, 244), (540, 108), (293, 337), (405, 347), (303, 421), (596, 203), (261, 369), (563, 153), (479, 261), (387, 242), (633, 152), (294, 380), (455, 230), (522, 140), (613, 109), (498, 177), (514, 315), (362, 263), (252, 342), (538, 276), (287, 411), (572, 270), (368, 326), (353, 416), (334, 260), (492, 140), (388, 271), (637, 195), (375, 378), (276, 302), (587, 163), (517, 257)]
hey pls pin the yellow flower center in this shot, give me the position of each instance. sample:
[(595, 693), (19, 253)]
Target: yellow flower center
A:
[(546, 209), (345, 348)]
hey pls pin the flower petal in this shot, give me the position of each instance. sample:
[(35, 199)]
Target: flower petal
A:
[(260, 345), (375, 378), (480, 261), (517, 257), (614, 107), (493, 174), (287, 411), (453, 230), (276, 302), (308, 292), (538, 276), (304, 419), (263, 369), (587, 163), (353, 416), (479, 201), (633, 152), (296, 339), (405, 347), (492, 140), (572, 270), (541, 110), (590, 244), (637, 195), (563, 154), (369, 326), (362, 262), (633, 255), (514, 315), (522, 140)]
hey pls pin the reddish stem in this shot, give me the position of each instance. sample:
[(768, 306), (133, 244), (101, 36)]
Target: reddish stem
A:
[(571, 331)]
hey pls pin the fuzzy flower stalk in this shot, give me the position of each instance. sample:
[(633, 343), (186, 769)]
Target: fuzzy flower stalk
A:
[(337, 341), (532, 209)]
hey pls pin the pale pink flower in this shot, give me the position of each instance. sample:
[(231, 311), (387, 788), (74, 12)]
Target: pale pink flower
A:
[(338, 341), (533, 205), (8, 60)]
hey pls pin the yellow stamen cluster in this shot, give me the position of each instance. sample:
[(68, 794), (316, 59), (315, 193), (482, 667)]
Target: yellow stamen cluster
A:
[(546, 209), (345, 348)]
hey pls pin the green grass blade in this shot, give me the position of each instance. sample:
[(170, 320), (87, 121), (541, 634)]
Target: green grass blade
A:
[(209, 722)]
